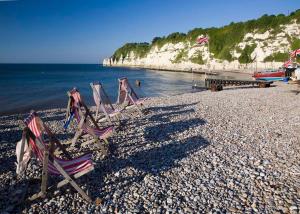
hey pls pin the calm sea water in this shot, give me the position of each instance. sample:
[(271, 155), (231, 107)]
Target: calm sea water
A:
[(42, 86)]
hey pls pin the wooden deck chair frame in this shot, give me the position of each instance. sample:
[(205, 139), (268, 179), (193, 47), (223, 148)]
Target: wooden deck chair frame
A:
[(129, 95), (49, 157), (101, 105), (83, 119)]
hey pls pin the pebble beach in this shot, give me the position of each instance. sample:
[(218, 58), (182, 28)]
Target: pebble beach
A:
[(233, 151)]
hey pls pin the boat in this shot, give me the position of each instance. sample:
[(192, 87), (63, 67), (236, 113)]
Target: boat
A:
[(270, 75)]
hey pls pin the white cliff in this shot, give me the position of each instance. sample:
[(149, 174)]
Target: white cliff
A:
[(266, 44)]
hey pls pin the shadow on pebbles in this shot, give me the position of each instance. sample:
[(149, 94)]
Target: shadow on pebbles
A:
[(234, 151)]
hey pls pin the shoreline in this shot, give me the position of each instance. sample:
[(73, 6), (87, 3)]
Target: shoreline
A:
[(45, 99), (181, 70), (227, 150)]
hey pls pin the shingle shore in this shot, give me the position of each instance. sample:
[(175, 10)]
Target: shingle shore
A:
[(234, 151)]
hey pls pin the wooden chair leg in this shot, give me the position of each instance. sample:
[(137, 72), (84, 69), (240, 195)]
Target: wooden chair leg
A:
[(106, 141), (88, 113), (56, 141), (67, 180), (45, 174), (24, 138), (71, 181), (136, 105), (97, 111), (75, 138), (44, 182), (77, 175)]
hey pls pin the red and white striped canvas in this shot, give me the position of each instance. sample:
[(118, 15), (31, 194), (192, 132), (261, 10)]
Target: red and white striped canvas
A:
[(295, 53), (96, 94), (70, 166), (126, 89), (202, 40), (101, 133), (99, 98)]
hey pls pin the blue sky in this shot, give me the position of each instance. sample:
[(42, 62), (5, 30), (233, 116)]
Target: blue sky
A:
[(78, 31)]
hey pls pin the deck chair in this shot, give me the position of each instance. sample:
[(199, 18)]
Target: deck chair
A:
[(70, 168), (77, 108), (127, 97), (103, 104)]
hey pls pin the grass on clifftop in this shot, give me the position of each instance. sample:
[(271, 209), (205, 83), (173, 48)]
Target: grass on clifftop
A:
[(223, 40), (139, 49), (172, 38)]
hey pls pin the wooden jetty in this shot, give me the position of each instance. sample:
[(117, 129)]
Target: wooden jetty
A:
[(218, 84)]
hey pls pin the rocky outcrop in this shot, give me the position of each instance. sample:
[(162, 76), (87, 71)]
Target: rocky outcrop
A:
[(265, 44)]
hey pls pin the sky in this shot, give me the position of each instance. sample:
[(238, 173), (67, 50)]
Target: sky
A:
[(86, 31)]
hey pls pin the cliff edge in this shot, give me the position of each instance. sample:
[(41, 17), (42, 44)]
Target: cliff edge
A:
[(261, 43)]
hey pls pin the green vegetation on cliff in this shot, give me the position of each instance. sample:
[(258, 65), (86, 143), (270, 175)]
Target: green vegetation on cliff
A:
[(197, 58), (172, 38), (277, 57), (181, 56), (245, 57), (295, 43), (223, 40), (139, 49)]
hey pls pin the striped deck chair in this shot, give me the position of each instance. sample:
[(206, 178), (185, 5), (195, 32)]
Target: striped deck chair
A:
[(78, 109), (35, 134), (103, 103), (127, 97)]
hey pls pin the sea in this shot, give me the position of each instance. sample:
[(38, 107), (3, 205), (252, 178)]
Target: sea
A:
[(25, 87)]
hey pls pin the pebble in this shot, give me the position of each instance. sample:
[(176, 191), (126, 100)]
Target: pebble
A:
[(230, 151)]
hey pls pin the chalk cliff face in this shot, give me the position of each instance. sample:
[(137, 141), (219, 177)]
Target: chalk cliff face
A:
[(264, 45)]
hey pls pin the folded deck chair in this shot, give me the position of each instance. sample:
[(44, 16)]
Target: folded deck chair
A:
[(127, 97), (78, 109), (103, 103), (69, 168)]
